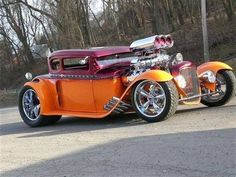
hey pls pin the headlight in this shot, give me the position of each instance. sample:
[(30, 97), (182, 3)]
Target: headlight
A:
[(181, 81), (28, 76), (208, 76)]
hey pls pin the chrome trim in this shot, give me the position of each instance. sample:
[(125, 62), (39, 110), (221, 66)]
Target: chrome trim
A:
[(190, 75), (143, 43), (150, 42), (197, 96), (82, 77), (121, 102), (72, 76), (147, 62)]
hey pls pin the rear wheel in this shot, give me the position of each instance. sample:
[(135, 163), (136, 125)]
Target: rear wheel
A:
[(154, 101), (29, 108), (225, 89)]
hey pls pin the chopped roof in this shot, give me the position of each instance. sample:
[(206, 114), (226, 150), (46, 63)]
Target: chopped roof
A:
[(95, 52)]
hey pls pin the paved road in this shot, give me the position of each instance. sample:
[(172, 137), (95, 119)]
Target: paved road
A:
[(196, 141)]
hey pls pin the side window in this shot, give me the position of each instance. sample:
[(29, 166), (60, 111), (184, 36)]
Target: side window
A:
[(55, 64), (76, 63)]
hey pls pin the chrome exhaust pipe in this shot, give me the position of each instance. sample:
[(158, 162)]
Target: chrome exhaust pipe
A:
[(121, 107)]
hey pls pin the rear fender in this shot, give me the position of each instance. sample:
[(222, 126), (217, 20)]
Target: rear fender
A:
[(215, 67), (46, 96)]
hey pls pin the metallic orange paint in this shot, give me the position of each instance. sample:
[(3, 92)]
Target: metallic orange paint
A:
[(105, 89), (47, 95), (156, 75), (86, 98), (75, 97)]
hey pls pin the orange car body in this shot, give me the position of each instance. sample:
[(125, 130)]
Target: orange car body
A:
[(84, 92)]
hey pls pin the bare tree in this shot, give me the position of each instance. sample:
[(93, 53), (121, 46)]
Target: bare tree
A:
[(14, 16)]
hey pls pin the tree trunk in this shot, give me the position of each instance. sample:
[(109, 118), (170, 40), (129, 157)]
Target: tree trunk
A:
[(19, 29), (229, 9), (155, 16)]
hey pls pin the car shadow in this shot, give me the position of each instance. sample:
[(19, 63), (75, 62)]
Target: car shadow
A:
[(73, 124), (204, 108), (70, 125), (202, 153)]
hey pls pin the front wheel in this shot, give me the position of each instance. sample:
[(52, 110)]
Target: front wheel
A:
[(29, 108), (154, 101), (225, 89)]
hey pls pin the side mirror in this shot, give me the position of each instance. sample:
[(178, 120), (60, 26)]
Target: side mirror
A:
[(28, 76), (84, 61)]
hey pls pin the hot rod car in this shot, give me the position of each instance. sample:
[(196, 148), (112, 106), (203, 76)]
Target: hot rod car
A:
[(142, 77)]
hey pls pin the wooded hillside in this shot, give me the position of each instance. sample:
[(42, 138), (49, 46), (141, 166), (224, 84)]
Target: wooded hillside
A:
[(65, 24)]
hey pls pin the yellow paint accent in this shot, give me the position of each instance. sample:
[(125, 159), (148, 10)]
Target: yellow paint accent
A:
[(214, 66), (155, 75)]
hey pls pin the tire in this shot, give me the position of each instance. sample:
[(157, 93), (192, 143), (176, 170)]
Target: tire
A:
[(29, 108), (162, 98), (226, 83)]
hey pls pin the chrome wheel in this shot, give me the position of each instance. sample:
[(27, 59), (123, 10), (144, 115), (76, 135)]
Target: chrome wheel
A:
[(149, 98), (31, 105), (225, 89)]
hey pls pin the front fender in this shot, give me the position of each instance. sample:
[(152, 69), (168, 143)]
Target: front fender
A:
[(214, 66), (155, 75)]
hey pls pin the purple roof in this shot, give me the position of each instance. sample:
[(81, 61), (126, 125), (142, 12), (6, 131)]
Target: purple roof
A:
[(94, 52)]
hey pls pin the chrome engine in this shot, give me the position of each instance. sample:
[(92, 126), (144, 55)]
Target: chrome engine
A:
[(144, 63), (150, 54)]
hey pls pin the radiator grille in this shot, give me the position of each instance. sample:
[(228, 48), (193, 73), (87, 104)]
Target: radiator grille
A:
[(190, 75)]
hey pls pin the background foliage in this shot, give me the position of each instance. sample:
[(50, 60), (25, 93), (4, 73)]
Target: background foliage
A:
[(65, 24)]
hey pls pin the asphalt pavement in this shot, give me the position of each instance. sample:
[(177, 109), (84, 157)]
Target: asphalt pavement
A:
[(196, 142)]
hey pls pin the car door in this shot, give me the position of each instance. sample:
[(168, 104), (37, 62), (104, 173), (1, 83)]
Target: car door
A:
[(75, 86)]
